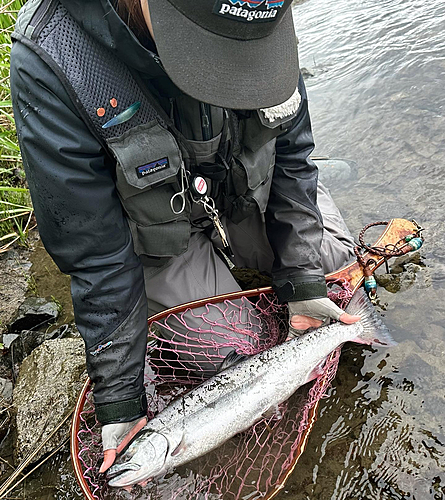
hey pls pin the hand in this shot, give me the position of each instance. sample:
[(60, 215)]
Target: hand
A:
[(314, 313), (115, 438)]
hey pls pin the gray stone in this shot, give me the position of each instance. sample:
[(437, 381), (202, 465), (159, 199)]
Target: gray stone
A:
[(13, 285), (66, 331), (5, 390), (47, 387), (34, 312), (19, 346), (24, 344), (8, 339)]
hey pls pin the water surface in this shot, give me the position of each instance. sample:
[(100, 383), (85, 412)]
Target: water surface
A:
[(377, 97)]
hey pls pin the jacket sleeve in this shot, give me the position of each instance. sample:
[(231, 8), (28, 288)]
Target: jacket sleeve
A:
[(83, 227), (293, 221)]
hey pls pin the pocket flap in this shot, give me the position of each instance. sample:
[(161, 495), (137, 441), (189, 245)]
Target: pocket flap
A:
[(258, 164), (147, 156)]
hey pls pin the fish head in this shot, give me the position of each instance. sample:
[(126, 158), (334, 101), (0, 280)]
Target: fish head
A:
[(146, 459)]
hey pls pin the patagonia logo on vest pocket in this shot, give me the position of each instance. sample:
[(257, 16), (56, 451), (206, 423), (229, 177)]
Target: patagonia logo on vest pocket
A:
[(151, 168)]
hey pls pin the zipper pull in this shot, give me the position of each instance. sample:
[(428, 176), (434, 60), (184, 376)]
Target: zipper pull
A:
[(206, 121)]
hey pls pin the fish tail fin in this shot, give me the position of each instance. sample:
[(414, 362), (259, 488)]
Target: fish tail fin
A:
[(375, 331)]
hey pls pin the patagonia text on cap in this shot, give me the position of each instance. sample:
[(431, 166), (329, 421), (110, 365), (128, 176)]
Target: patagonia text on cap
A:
[(223, 17)]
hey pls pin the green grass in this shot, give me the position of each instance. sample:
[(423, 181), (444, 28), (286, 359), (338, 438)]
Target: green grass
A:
[(15, 202)]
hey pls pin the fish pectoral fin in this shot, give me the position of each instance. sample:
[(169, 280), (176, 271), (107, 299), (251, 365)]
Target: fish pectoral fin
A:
[(231, 359), (180, 448)]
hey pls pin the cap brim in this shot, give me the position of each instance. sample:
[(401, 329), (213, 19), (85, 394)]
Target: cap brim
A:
[(222, 71)]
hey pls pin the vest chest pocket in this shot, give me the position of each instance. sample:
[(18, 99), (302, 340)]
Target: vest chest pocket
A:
[(249, 182), (250, 178), (147, 171)]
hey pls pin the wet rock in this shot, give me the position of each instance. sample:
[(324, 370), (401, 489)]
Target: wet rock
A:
[(400, 281), (306, 73), (5, 390), (24, 344), (8, 339), (66, 331), (399, 264), (46, 391), (14, 267), (17, 346), (35, 312)]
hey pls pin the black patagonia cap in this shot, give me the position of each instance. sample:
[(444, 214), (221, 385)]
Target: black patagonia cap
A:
[(239, 54)]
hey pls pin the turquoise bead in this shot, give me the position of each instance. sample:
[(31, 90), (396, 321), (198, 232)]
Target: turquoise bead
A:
[(416, 243), (370, 283)]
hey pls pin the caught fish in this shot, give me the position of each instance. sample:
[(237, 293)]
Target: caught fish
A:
[(238, 397)]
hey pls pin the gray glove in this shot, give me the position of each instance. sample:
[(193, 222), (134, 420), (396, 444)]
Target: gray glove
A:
[(322, 309), (116, 436)]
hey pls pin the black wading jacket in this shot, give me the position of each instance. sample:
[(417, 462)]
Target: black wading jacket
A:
[(72, 179)]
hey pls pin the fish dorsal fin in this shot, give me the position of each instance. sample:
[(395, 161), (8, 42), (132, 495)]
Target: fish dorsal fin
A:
[(231, 359)]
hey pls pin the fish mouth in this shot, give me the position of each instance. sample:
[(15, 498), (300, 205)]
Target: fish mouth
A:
[(123, 474), (140, 468)]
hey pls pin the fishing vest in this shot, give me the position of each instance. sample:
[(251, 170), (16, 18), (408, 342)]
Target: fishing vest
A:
[(153, 159)]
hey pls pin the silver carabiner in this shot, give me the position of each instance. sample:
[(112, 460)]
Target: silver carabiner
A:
[(181, 194), (209, 206)]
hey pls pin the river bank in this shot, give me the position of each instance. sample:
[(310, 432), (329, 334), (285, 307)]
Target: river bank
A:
[(42, 367)]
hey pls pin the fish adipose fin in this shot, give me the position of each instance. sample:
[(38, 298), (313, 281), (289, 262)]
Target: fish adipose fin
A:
[(375, 331)]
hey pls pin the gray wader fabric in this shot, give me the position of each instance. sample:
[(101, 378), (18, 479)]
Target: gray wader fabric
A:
[(200, 272)]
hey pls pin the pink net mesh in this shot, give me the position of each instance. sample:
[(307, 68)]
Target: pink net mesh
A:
[(185, 349)]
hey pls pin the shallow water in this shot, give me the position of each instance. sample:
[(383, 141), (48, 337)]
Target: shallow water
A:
[(377, 97)]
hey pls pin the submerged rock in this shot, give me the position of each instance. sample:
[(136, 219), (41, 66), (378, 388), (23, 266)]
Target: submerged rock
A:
[(306, 73), (46, 391), (401, 281)]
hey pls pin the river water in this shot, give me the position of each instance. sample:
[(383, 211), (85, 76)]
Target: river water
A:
[(377, 98)]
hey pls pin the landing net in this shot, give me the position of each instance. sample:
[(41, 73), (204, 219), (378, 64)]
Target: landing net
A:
[(186, 348)]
